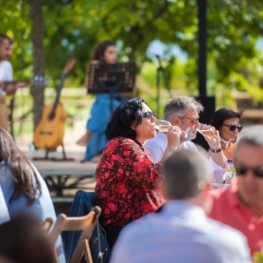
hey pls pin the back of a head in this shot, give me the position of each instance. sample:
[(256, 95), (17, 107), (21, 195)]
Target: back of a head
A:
[(22, 240), (253, 136), (186, 174), (221, 115), (178, 105)]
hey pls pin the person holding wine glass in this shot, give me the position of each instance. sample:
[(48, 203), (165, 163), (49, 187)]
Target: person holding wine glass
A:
[(183, 112), (127, 179), (227, 122)]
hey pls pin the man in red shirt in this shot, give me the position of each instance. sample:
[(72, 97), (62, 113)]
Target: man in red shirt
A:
[(241, 205)]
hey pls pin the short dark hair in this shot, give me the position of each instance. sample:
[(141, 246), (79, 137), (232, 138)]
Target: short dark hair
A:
[(128, 114), (186, 173), (221, 115), (5, 37), (100, 50)]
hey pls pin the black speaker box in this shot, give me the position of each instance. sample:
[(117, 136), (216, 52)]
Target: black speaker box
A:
[(205, 117)]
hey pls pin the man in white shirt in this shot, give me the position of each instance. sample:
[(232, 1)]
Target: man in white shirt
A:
[(183, 112), (6, 74), (182, 232)]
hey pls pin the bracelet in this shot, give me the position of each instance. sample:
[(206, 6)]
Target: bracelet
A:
[(170, 148), (216, 151)]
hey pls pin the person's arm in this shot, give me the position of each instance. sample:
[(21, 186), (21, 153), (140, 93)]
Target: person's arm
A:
[(11, 89), (215, 150), (139, 166)]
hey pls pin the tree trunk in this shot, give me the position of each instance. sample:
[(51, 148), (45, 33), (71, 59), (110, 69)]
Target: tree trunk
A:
[(38, 57)]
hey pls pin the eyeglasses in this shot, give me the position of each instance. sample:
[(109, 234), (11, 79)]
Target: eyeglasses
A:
[(193, 120), (242, 169), (233, 127), (148, 114)]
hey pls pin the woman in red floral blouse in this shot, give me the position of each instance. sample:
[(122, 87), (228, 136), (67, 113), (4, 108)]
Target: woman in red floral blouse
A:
[(127, 178)]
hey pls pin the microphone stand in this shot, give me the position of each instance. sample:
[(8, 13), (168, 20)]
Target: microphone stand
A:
[(160, 70)]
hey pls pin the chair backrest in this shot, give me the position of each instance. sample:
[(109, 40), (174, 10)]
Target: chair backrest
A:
[(47, 224), (85, 223)]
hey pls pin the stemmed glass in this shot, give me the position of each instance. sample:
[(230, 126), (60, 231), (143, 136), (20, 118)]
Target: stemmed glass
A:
[(164, 126), (226, 142), (208, 133)]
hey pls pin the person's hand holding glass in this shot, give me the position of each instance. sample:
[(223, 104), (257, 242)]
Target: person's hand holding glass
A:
[(164, 126), (211, 136)]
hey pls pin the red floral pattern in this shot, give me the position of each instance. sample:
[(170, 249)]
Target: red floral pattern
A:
[(127, 180)]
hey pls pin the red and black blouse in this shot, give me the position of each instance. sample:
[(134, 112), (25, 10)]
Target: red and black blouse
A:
[(127, 182)]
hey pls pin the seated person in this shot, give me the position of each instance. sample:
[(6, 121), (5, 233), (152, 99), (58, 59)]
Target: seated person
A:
[(241, 205), (127, 178), (182, 232), (183, 112), (23, 187), (227, 122)]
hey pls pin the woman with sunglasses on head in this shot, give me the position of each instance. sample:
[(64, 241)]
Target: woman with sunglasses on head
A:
[(227, 122), (126, 177)]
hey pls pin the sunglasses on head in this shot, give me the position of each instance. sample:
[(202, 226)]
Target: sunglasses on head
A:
[(148, 114), (233, 127), (242, 169)]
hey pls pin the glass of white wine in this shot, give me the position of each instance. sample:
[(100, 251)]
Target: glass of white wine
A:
[(207, 132), (164, 126)]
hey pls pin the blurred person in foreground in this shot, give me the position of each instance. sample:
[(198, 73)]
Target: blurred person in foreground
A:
[(23, 187), (227, 122), (127, 178), (183, 113), (23, 240), (241, 205), (182, 232)]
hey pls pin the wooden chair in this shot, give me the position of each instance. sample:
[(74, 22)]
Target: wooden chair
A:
[(47, 224), (86, 224)]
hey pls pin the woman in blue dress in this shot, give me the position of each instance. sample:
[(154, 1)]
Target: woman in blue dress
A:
[(94, 138)]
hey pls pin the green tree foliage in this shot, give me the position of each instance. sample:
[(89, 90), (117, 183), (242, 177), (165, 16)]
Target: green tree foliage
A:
[(72, 28)]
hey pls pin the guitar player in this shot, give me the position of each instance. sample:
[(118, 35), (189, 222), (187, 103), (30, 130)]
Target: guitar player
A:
[(6, 74)]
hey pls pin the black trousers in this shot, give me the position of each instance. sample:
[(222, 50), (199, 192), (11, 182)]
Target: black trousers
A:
[(113, 232)]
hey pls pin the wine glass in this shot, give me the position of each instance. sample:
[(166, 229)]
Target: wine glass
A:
[(164, 126), (208, 133)]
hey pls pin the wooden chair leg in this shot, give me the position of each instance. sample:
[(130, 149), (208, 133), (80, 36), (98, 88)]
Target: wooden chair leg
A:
[(87, 251)]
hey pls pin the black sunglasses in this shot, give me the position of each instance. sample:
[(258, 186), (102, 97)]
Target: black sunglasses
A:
[(148, 114), (234, 127), (242, 169)]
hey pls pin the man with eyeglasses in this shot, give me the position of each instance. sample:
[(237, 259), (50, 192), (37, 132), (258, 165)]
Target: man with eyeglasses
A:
[(183, 113), (241, 205)]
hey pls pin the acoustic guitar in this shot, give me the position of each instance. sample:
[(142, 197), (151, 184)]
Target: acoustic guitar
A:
[(49, 132)]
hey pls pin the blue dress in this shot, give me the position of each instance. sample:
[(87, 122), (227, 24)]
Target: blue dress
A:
[(100, 116)]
